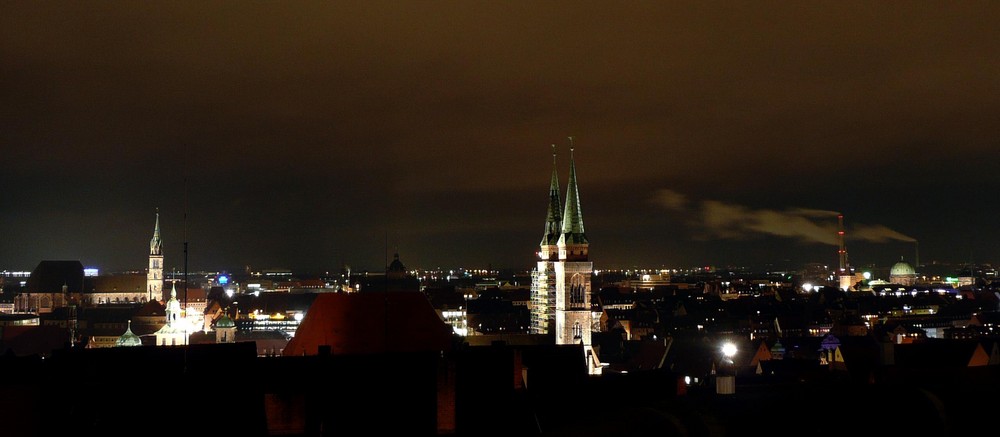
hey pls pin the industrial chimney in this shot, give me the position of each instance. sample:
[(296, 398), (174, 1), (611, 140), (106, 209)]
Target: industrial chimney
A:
[(844, 276)]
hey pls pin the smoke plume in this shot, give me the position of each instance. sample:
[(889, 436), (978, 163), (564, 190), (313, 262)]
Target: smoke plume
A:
[(716, 219)]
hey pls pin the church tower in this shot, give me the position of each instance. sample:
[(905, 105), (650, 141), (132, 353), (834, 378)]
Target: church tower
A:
[(543, 279), (573, 271), (154, 278), (175, 331), (561, 282)]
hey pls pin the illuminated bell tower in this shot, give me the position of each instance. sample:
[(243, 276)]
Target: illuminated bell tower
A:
[(175, 331), (543, 280), (573, 271), (154, 278)]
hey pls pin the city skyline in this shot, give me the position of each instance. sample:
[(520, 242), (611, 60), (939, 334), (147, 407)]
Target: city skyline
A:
[(312, 135)]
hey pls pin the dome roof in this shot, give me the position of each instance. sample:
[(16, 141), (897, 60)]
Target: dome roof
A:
[(396, 265), (128, 339), (225, 322), (778, 347), (902, 269)]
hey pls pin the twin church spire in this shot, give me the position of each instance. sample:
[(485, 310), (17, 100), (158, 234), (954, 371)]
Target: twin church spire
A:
[(553, 220), (561, 285), (564, 224), (572, 228)]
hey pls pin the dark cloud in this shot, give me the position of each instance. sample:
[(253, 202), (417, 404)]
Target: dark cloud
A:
[(307, 131)]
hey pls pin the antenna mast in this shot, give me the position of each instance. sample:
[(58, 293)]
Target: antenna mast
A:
[(840, 241)]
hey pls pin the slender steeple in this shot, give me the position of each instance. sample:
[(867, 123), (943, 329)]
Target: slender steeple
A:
[(553, 220), (572, 226), (154, 276), (154, 244)]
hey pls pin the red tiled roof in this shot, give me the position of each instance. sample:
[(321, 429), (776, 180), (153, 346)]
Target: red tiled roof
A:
[(194, 294), (152, 308), (365, 323)]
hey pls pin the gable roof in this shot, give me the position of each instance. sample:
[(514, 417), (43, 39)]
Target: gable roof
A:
[(50, 276)]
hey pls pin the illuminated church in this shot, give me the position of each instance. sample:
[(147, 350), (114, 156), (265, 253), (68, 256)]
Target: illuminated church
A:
[(560, 284), (154, 277)]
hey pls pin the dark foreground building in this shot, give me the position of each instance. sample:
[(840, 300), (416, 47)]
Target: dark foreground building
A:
[(385, 364), (470, 390)]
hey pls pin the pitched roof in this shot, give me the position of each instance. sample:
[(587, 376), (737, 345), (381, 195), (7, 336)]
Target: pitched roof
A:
[(50, 276), (152, 308), (364, 323), (194, 294), (643, 355), (118, 283)]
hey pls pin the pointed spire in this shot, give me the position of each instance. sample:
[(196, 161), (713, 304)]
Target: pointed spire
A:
[(154, 244), (553, 219), (572, 226), (173, 291)]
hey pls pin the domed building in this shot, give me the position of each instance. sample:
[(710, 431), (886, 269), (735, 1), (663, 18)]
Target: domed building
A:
[(902, 274), (396, 270), (396, 278), (225, 330), (128, 339)]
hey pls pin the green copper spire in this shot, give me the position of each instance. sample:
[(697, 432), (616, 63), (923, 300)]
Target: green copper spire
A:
[(154, 244), (572, 226), (553, 220)]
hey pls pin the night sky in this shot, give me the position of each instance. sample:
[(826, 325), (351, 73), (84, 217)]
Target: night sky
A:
[(309, 135)]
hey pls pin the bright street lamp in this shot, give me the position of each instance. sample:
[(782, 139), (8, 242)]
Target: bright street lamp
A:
[(729, 350)]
